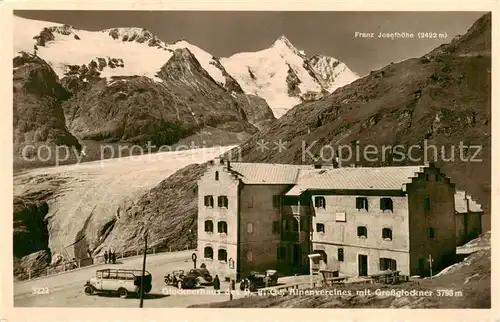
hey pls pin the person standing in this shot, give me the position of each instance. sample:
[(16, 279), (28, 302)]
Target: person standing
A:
[(105, 256), (216, 283), (114, 257)]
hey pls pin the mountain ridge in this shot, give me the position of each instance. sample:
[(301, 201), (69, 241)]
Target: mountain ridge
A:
[(135, 43)]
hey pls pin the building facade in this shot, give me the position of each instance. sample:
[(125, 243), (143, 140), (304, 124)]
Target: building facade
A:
[(468, 218), (253, 217)]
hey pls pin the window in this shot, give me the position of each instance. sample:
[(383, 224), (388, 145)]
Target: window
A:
[(362, 232), (208, 253), (250, 202), (432, 233), (324, 257), (361, 203), (216, 175), (222, 255), (249, 256), (386, 204), (427, 205), (276, 227), (387, 233), (209, 226), (222, 201), (340, 216), (276, 201), (340, 254), (387, 264), (249, 228), (281, 253), (285, 225), (222, 227), (320, 228), (320, 202), (209, 201), (105, 274)]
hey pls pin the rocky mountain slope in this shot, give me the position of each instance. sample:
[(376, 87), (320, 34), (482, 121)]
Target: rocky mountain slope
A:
[(38, 116), (435, 104), (281, 74), (442, 98)]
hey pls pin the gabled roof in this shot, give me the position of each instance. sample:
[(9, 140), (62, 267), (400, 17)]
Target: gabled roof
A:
[(461, 198), (359, 178), (267, 173)]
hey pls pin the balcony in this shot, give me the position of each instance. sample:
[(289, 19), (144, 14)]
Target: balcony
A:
[(292, 236), (295, 210)]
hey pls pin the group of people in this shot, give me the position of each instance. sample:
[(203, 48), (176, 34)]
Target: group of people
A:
[(109, 257)]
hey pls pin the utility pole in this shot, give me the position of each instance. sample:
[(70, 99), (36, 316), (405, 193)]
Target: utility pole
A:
[(143, 268), (430, 264)]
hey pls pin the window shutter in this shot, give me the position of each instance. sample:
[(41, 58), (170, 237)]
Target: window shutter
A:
[(206, 201), (382, 204), (316, 202)]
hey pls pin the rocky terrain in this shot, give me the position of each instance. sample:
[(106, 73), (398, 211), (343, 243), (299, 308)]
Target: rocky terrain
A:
[(38, 116)]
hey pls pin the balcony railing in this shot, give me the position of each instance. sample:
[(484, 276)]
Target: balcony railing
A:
[(295, 210), (290, 236)]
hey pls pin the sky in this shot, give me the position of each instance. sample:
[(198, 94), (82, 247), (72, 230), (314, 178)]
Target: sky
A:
[(223, 33)]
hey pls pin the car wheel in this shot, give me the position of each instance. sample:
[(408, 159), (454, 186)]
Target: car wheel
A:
[(123, 293), (190, 283), (89, 290), (147, 288)]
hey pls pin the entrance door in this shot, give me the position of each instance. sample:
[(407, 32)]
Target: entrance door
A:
[(296, 255), (362, 265), (421, 267)]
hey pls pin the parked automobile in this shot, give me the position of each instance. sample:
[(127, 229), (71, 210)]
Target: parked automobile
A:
[(193, 278), (121, 281), (256, 280)]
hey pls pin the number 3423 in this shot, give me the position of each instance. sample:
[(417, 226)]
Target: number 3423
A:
[(39, 290)]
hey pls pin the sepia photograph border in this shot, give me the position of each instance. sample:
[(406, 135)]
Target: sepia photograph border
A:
[(9, 313)]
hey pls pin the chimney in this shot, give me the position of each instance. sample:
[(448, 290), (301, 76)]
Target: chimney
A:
[(467, 205)]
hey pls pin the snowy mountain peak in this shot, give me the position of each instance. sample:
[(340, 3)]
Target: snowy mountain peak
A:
[(281, 74), (283, 44)]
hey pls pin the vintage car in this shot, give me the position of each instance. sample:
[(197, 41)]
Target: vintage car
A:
[(193, 278), (121, 281), (256, 280)]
